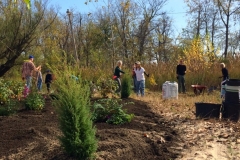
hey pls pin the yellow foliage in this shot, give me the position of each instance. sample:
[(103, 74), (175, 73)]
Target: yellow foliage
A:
[(152, 80), (199, 56)]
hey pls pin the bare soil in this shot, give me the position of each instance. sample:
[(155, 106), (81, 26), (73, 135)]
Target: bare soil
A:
[(31, 135)]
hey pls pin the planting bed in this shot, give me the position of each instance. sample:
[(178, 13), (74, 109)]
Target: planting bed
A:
[(33, 135)]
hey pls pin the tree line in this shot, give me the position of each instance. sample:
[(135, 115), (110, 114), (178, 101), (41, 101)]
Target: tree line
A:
[(122, 29)]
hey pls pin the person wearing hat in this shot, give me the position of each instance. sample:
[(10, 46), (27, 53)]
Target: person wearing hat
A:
[(117, 74), (140, 76), (28, 68)]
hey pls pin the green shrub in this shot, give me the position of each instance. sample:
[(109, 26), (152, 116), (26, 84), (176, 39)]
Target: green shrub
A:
[(9, 108), (110, 111), (9, 90), (34, 101), (16, 87), (106, 86), (5, 92), (126, 86), (73, 106)]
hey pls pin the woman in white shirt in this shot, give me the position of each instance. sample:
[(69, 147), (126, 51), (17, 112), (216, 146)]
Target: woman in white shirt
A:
[(140, 72)]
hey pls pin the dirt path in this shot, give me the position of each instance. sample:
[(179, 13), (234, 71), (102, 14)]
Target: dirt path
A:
[(210, 139)]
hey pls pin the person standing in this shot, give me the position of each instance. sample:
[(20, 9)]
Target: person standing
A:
[(224, 72), (140, 83), (134, 78), (28, 68), (48, 80), (224, 77), (117, 73), (181, 71), (39, 79)]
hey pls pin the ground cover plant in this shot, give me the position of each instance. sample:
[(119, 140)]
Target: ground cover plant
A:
[(34, 101), (10, 107), (10, 89), (10, 95), (111, 111)]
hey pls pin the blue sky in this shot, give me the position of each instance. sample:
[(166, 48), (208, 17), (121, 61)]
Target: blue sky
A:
[(176, 9)]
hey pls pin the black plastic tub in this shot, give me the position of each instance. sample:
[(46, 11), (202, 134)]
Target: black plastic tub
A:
[(233, 82), (207, 110), (232, 91), (231, 111)]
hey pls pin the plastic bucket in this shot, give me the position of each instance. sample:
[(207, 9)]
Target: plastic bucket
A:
[(165, 90), (232, 94), (174, 90), (231, 111), (207, 110), (170, 90)]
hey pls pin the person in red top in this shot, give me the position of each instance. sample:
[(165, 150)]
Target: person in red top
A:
[(28, 68)]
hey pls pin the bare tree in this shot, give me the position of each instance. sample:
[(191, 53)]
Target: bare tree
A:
[(163, 31), (124, 15), (18, 29), (204, 20), (226, 10), (151, 10)]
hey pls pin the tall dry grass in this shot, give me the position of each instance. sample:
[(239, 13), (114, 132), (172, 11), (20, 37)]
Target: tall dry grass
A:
[(166, 71), (207, 75), (184, 106)]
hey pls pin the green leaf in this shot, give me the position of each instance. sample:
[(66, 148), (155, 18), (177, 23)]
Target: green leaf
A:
[(28, 3)]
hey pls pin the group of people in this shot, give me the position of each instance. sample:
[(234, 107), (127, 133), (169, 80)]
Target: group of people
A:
[(181, 71), (28, 73), (138, 74)]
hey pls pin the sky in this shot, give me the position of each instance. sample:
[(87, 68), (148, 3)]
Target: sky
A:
[(175, 8)]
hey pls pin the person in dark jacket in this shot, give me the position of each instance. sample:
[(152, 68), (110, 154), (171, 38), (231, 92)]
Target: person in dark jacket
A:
[(224, 72), (117, 74), (48, 80), (181, 71), (134, 78)]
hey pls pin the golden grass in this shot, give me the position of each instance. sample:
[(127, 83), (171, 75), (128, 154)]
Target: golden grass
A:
[(184, 106)]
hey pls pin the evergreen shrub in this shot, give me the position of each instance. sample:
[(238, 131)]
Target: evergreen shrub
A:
[(73, 106)]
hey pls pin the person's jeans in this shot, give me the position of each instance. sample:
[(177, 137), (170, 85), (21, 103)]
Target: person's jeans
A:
[(39, 85), (29, 81), (181, 84), (119, 85), (135, 84), (140, 87)]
